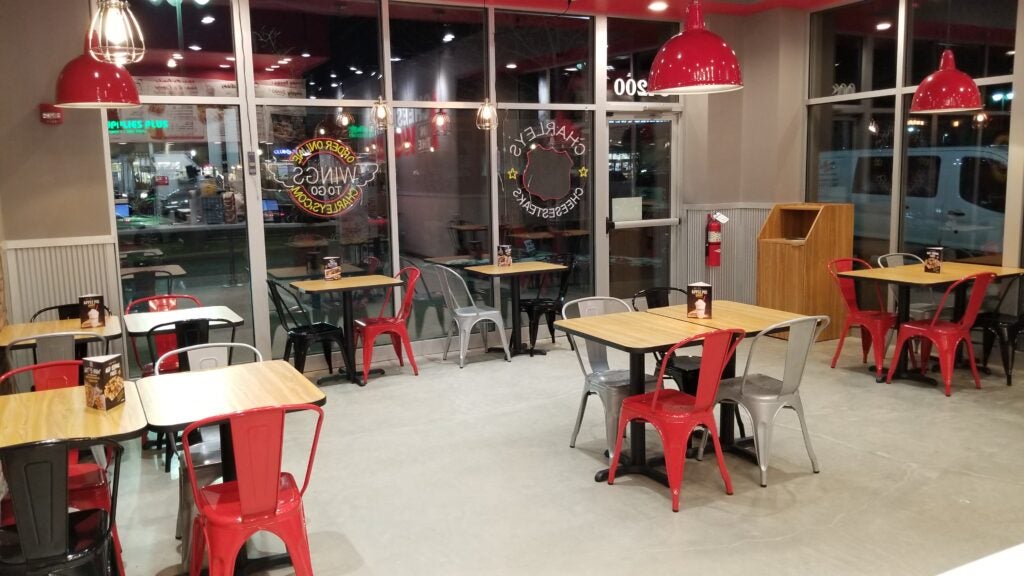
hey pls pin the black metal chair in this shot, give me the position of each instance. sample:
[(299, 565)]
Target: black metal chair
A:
[(144, 283), (64, 312), (549, 307), (46, 537), (1002, 327), (683, 369), (302, 331)]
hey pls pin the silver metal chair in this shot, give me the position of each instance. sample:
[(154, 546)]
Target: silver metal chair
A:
[(206, 456), (922, 305), (611, 385), (763, 396), (466, 313)]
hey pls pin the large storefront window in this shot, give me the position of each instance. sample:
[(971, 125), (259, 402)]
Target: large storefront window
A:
[(854, 48), (316, 49), (850, 160), (955, 179), (980, 33), (543, 58), (179, 205), (324, 190), (444, 208), (546, 198), (190, 49), (632, 45), (438, 54)]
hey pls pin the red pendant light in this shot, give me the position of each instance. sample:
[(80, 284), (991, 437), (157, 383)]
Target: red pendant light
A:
[(88, 83), (695, 62), (946, 91)]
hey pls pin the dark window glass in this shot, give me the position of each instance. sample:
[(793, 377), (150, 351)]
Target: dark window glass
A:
[(438, 54), (316, 49), (983, 182), (632, 45), (543, 58), (850, 160), (981, 35), (853, 48), (190, 49), (923, 176)]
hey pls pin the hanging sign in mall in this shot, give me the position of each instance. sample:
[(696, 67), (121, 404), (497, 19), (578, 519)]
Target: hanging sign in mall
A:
[(327, 180), (547, 171)]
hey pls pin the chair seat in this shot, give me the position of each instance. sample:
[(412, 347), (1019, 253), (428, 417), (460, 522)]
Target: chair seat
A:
[(925, 326), (223, 505), (317, 329), (364, 322), (872, 315), (540, 303), (758, 387), (475, 311), (670, 403), (996, 319), (85, 532), (615, 378)]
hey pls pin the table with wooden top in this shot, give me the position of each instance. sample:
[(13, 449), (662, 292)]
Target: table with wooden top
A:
[(140, 323), (913, 275), (514, 271), (638, 334), (303, 273), (173, 401), (110, 331), (61, 414), (346, 286)]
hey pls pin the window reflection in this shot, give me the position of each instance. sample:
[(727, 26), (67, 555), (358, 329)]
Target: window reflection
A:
[(980, 33), (632, 45), (854, 48), (543, 58), (438, 54)]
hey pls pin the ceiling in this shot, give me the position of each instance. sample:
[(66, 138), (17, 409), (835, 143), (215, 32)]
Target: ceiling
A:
[(638, 8)]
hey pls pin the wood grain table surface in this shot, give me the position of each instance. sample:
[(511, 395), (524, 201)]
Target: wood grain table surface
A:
[(173, 401), (516, 269), (344, 284), (727, 314), (634, 332), (12, 332), (139, 323), (62, 415), (914, 274)]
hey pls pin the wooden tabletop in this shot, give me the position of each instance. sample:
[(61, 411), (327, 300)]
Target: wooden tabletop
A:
[(728, 314), (139, 323), (633, 332), (293, 272), (914, 274), (172, 269), (173, 401), (516, 269), (344, 284), (62, 415), (13, 332)]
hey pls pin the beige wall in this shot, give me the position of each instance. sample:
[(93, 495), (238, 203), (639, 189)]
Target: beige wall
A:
[(748, 146), (52, 181)]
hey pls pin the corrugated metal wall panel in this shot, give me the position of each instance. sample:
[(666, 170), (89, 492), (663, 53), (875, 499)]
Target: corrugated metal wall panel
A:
[(43, 276), (736, 278)]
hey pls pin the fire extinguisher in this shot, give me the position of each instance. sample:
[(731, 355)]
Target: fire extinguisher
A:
[(713, 242)]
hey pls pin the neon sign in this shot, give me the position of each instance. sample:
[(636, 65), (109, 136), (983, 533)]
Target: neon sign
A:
[(325, 179), (135, 126)]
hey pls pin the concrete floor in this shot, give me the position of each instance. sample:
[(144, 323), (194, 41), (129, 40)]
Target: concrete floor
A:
[(470, 472)]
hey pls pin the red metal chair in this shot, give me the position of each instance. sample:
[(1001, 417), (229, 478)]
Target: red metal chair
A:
[(874, 324), (164, 342), (87, 481), (675, 414), (263, 497), (944, 334), (369, 329)]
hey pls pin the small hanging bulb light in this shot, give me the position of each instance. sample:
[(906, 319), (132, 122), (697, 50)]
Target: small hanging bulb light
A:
[(441, 122), (343, 118), (381, 114), (114, 34), (486, 117)]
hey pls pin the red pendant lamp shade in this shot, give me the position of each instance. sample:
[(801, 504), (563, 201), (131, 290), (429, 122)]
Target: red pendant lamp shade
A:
[(88, 83), (946, 91), (695, 62)]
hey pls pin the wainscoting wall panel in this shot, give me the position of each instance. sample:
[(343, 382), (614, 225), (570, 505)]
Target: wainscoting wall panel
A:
[(736, 278)]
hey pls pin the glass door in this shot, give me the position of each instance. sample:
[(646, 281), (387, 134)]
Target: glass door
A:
[(642, 221)]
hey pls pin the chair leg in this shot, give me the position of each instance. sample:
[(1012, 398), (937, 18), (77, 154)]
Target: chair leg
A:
[(448, 341), (675, 463), (367, 354), (901, 339), (195, 562), (326, 346), (534, 316), (396, 343), (288, 348), (172, 440), (464, 335), (504, 341), (407, 342), (612, 407), (763, 444), (296, 541), (988, 339), (713, 431), (839, 346), (880, 349), (551, 324), (301, 347), (945, 365), (865, 342), (974, 365), (1006, 351), (797, 406), (618, 449), (579, 416)]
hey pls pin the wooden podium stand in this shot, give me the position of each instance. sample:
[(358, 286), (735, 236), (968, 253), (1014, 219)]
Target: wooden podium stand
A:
[(794, 247)]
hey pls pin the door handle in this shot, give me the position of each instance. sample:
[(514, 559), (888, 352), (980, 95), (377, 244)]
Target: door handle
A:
[(956, 213)]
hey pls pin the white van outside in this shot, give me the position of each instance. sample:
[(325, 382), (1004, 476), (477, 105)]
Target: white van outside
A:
[(955, 196)]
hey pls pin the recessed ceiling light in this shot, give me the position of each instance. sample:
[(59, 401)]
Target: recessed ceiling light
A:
[(269, 69), (883, 26), (274, 67), (511, 66), (286, 60), (333, 75), (396, 59), (200, 2), (229, 58), (311, 83), (282, 62), (359, 72), (225, 65), (208, 20), (195, 47), (334, 84), (172, 63), (573, 69), (353, 68), (177, 56), (1011, 52), (312, 97), (448, 37), (657, 6)]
